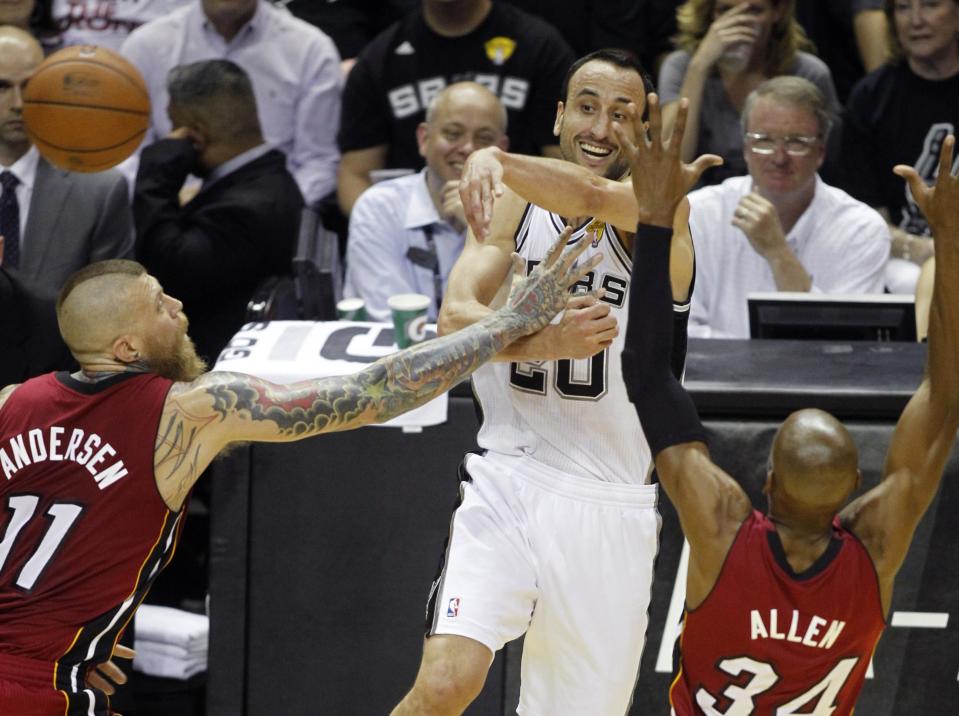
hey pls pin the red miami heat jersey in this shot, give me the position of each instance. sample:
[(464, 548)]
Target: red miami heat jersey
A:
[(770, 642), (83, 529)]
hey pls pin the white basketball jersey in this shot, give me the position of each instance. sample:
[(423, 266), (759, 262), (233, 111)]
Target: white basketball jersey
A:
[(572, 415)]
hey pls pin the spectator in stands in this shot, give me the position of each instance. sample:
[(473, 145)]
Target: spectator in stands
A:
[(901, 114), (240, 228), (406, 233), (351, 24), (33, 16), (293, 66), (54, 221), (589, 25), (106, 24), (519, 57), (781, 228), (850, 36), (658, 22), (727, 48), (30, 342)]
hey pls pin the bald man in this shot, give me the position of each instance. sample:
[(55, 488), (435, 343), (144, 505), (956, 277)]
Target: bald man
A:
[(98, 464), (53, 221), (784, 608), (406, 233)]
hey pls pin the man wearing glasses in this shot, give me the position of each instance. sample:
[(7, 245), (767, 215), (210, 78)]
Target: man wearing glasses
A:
[(780, 228)]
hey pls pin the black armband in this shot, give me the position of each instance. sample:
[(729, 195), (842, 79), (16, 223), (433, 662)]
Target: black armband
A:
[(665, 409)]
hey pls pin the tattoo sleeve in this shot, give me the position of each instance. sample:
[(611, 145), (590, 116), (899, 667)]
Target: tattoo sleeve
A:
[(389, 387)]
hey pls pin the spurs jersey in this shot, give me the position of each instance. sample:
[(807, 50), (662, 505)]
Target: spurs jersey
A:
[(572, 415), (83, 529), (769, 641)]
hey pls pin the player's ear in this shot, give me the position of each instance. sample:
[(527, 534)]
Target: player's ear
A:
[(558, 123), (125, 349)]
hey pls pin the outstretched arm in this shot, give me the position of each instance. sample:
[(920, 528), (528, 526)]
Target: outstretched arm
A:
[(567, 189), (711, 505), (554, 184), (201, 417), (886, 517)]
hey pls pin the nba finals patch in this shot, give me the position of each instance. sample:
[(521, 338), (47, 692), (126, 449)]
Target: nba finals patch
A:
[(499, 49), (596, 229)]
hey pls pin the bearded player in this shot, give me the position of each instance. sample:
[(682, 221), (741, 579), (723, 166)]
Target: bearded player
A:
[(98, 465)]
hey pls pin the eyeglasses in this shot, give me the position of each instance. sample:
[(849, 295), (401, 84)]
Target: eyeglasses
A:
[(795, 145)]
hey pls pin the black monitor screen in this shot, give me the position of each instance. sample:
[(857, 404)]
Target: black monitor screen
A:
[(865, 317)]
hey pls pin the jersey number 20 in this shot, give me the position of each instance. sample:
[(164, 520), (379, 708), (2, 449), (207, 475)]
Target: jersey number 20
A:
[(569, 378)]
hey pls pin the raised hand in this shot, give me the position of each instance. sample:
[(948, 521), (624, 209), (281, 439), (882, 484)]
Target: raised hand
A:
[(544, 293), (660, 177), (588, 326), (736, 26), (481, 183), (939, 203)]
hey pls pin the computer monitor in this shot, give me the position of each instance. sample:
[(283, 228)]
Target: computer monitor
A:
[(818, 316)]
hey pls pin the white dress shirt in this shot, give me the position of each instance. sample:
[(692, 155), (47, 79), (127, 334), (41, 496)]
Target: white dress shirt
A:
[(386, 221), (294, 68), (842, 243)]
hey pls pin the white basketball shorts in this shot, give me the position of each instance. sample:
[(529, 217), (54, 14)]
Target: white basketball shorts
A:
[(565, 560)]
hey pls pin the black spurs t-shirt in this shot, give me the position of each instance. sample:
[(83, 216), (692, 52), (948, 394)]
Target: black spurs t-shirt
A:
[(520, 58), (896, 117)]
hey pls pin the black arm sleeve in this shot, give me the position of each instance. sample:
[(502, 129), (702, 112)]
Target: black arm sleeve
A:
[(665, 409)]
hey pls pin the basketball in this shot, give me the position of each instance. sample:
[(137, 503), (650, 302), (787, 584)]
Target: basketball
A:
[(86, 108)]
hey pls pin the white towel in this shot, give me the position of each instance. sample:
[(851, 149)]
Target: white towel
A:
[(171, 626)]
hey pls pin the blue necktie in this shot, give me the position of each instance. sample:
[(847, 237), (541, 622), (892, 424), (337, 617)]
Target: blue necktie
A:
[(10, 220)]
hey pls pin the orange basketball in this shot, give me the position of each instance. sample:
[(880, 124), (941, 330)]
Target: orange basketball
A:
[(86, 108)]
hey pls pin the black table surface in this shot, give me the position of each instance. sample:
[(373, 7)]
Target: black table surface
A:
[(774, 377)]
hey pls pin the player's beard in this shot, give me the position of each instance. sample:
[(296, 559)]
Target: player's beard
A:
[(180, 363)]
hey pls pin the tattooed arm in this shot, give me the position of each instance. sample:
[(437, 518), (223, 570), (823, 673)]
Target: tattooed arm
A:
[(202, 417)]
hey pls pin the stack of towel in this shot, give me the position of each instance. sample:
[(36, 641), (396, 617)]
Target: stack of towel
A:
[(170, 643)]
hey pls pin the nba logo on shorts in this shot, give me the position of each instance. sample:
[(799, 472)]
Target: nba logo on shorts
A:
[(454, 607)]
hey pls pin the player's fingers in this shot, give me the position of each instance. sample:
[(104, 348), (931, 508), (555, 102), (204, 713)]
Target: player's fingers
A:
[(573, 253), (701, 164), (627, 144), (655, 120), (945, 157), (124, 652), (607, 336), (580, 272), (595, 312), (556, 250), (579, 301), (96, 680), (916, 185), (679, 126)]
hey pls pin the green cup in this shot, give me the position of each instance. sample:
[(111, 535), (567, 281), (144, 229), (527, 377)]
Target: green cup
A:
[(351, 309), (409, 317)]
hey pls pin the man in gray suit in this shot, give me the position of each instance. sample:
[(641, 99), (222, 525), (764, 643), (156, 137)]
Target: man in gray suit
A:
[(53, 221)]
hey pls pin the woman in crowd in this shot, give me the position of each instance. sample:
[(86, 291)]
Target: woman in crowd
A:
[(901, 114), (726, 49)]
